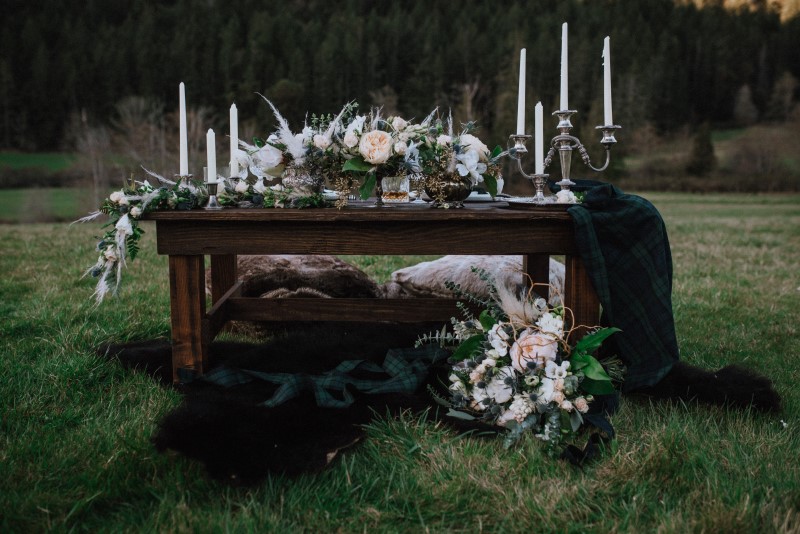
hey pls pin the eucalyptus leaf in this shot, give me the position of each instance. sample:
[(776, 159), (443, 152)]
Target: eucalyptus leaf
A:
[(496, 151), (460, 415), (575, 420)]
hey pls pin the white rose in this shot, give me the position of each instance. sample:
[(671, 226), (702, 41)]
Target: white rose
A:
[(400, 148), (241, 186), (477, 145), (566, 197), (376, 146), (267, 157), (581, 405), (399, 123), (136, 212), (567, 405), (350, 139), (322, 141), (118, 197), (444, 140)]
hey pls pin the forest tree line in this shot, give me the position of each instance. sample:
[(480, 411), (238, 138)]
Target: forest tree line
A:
[(674, 64)]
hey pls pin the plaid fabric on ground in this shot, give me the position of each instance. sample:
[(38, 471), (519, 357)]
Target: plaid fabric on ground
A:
[(402, 371), (623, 243)]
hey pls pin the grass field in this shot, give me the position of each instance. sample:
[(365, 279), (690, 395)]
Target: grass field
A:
[(44, 204), (74, 432), (51, 161)]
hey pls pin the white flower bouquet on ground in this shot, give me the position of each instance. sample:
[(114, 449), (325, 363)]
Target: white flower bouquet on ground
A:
[(514, 366)]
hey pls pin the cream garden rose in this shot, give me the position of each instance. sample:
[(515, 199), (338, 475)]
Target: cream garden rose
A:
[(376, 146), (322, 141), (532, 346), (399, 123), (475, 144), (118, 197), (581, 405)]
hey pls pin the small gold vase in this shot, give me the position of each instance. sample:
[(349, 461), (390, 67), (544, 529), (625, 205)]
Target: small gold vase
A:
[(448, 190)]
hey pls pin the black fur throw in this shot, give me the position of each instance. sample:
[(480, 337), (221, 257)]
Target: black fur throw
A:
[(241, 443)]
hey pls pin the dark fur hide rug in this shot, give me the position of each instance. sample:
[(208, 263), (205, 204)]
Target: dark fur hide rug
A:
[(241, 443)]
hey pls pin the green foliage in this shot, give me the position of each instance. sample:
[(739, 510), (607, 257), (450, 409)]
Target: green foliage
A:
[(702, 159), (75, 451)]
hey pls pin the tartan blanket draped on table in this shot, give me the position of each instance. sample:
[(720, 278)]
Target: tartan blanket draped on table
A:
[(623, 243)]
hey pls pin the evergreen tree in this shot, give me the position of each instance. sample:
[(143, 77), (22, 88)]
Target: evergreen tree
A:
[(702, 159)]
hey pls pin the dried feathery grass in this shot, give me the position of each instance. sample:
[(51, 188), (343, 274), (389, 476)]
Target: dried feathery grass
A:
[(293, 145)]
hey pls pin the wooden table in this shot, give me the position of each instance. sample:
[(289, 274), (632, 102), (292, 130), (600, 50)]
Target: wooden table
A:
[(480, 228)]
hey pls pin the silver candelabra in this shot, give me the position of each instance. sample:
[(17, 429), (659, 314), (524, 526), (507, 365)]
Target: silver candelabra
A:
[(564, 143)]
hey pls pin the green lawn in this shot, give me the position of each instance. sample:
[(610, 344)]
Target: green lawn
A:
[(74, 429), (44, 204), (51, 161)]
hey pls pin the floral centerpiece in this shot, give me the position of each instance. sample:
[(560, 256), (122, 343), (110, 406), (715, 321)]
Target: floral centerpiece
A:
[(515, 367), (454, 164), (301, 159), (375, 148)]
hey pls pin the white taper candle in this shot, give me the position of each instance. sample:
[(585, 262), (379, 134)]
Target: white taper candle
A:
[(564, 69), (211, 150), (521, 97), (609, 120), (184, 144), (234, 119), (538, 138)]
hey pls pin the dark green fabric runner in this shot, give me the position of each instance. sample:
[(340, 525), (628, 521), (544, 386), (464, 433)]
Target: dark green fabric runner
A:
[(402, 371), (623, 243)]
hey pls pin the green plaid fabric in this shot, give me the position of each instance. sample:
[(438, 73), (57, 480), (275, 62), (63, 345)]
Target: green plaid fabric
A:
[(402, 371), (623, 243)]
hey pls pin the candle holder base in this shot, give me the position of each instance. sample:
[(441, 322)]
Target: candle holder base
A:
[(539, 181), (212, 203)]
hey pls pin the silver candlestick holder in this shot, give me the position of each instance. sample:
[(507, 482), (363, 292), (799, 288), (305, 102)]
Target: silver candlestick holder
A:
[(212, 203), (516, 151), (564, 143), (212, 185)]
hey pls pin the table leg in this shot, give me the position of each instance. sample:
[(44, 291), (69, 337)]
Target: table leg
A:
[(537, 269), (188, 308), (580, 297), (223, 274)]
